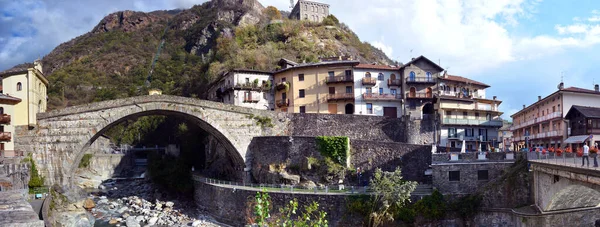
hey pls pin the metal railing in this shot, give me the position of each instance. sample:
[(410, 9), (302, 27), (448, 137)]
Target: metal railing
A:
[(377, 96), (11, 154), (282, 102), (419, 95), (369, 81), (341, 96), (395, 82), (456, 121), (252, 98), (564, 159), (420, 79), (326, 189), (339, 79), (5, 136), (4, 119)]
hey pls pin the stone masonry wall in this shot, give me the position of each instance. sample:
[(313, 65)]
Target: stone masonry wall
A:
[(14, 176)]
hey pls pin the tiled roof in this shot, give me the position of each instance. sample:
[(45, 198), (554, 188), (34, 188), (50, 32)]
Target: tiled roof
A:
[(380, 67), (587, 111), (463, 80), (325, 63), (423, 58), (7, 99), (580, 90), (17, 69)]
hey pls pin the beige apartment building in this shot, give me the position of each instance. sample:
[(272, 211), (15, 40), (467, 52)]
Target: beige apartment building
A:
[(23, 96), (542, 123), (420, 82), (467, 114), (323, 87)]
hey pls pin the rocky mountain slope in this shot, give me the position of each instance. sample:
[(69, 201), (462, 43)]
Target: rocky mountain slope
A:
[(113, 60)]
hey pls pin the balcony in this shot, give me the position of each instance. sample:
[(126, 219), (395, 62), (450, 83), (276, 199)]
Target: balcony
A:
[(369, 81), (456, 121), (593, 131), (5, 119), (340, 97), (282, 103), (396, 82), (376, 97), (282, 86), (11, 154), (421, 80), (537, 120), (339, 79), (250, 87), (5, 136), (419, 95), (252, 98)]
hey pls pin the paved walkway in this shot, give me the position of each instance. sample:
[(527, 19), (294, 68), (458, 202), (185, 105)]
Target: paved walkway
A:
[(570, 162)]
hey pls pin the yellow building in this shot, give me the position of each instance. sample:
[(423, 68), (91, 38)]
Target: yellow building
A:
[(324, 87), (23, 96)]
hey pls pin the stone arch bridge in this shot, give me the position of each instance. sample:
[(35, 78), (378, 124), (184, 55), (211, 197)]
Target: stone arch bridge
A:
[(61, 137)]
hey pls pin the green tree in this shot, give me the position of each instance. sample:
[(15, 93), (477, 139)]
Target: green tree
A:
[(36, 180), (432, 207), (391, 193), (288, 215)]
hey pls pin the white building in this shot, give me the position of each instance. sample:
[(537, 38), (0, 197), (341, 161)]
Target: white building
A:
[(245, 88), (378, 90)]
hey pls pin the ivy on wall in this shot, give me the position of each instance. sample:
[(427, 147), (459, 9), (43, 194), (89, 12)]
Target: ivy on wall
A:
[(335, 147)]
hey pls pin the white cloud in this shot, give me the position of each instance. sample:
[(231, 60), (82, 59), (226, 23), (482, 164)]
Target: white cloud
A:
[(388, 50)]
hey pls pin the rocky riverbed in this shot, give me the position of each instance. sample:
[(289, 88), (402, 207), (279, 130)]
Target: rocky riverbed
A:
[(136, 203)]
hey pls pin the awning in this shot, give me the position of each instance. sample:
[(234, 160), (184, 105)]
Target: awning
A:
[(577, 139)]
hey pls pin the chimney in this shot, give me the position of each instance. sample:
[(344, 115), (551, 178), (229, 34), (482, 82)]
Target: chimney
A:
[(539, 98), (561, 86), (596, 88), (495, 98), (412, 59), (523, 106)]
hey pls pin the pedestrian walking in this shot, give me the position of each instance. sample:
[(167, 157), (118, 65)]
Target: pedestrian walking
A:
[(586, 153)]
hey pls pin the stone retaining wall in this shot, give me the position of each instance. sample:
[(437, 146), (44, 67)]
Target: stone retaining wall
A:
[(355, 127), (14, 176)]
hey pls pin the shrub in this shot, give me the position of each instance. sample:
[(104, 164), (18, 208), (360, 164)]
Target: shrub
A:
[(272, 13), (36, 180), (467, 206), (335, 147), (85, 161), (331, 20), (432, 207)]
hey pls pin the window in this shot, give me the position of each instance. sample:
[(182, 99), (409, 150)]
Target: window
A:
[(469, 132), (283, 80), (368, 74), (428, 75), (454, 175), (19, 86), (452, 144), (452, 133), (247, 80), (283, 95), (381, 91), (380, 76), (301, 93), (368, 90), (369, 108), (412, 104), (331, 90), (482, 175), (348, 89), (393, 92), (302, 109), (348, 72), (448, 113), (483, 134), (476, 115), (465, 115), (412, 76), (301, 77), (331, 74)]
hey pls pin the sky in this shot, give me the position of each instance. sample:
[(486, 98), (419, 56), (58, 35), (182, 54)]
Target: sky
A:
[(522, 48)]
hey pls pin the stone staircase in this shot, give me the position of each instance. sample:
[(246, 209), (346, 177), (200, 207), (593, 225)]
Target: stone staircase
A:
[(422, 190)]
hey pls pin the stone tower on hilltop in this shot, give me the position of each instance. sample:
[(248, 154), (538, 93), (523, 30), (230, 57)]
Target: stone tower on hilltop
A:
[(312, 11)]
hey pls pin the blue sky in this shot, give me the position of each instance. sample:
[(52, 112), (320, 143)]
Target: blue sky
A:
[(519, 47)]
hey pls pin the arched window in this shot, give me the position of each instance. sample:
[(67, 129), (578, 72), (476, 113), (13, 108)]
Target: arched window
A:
[(368, 74), (412, 92), (19, 86), (313, 8), (380, 76), (305, 16), (412, 76), (428, 75)]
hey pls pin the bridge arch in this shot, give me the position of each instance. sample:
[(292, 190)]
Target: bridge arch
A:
[(66, 134), (574, 196)]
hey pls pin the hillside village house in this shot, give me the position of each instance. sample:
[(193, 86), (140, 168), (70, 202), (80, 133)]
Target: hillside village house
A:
[(584, 125), (245, 88), (505, 137), (420, 82), (378, 90), (309, 10), (23, 96), (466, 114), (322, 87), (542, 122)]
